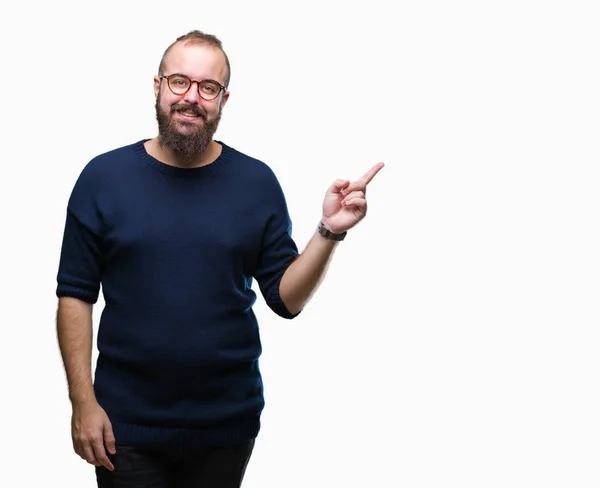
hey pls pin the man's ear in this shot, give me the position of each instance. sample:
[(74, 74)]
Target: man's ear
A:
[(224, 99), (156, 86)]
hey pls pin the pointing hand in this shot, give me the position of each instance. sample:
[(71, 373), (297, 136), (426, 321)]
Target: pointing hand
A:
[(345, 203)]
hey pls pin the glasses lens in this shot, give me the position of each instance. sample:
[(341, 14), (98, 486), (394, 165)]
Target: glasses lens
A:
[(179, 84), (209, 89)]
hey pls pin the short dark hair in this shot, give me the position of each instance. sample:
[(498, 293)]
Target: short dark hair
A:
[(197, 37)]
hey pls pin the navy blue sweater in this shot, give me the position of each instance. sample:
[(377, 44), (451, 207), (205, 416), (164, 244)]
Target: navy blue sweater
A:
[(175, 252)]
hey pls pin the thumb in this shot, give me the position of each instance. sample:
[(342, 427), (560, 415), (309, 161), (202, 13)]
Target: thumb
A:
[(338, 185), (109, 438)]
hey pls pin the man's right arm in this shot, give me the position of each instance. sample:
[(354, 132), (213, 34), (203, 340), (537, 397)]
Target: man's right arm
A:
[(91, 429), (75, 332)]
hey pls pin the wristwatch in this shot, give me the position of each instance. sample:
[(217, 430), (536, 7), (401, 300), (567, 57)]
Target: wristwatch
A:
[(325, 232)]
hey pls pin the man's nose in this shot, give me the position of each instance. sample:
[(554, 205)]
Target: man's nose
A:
[(193, 95)]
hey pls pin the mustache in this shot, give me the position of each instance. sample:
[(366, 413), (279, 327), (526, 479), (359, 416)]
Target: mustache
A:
[(185, 107)]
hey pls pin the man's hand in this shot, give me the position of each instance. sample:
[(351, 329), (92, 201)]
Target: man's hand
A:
[(92, 434), (345, 203)]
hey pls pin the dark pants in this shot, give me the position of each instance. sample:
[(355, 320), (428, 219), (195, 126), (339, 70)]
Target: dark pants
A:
[(216, 467)]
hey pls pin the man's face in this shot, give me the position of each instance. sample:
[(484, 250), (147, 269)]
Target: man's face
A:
[(187, 123)]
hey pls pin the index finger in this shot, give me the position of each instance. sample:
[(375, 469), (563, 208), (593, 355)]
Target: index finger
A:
[(369, 175), (101, 455)]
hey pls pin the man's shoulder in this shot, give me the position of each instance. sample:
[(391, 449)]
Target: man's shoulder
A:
[(118, 153), (107, 166), (254, 165), (111, 160)]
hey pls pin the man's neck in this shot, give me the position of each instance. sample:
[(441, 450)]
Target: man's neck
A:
[(165, 155)]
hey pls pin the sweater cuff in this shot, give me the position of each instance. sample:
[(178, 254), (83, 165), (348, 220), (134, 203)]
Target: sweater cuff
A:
[(276, 303), (88, 296)]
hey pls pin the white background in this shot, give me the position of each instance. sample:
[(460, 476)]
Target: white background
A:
[(455, 340)]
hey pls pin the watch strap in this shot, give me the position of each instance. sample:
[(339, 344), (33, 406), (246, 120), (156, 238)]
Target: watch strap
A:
[(325, 232)]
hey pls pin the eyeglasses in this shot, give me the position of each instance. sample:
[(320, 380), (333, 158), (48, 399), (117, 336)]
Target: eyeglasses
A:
[(180, 84)]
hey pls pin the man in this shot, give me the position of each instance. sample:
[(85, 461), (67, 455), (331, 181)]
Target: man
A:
[(174, 229)]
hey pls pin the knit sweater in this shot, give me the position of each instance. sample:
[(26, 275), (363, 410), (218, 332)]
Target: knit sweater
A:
[(175, 252)]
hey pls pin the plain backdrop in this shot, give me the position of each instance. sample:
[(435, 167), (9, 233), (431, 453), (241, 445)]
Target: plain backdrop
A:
[(455, 340)]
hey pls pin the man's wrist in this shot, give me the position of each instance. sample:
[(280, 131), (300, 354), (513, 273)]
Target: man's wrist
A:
[(324, 230)]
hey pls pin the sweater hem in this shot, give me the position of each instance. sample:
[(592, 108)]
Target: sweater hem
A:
[(127, 434)]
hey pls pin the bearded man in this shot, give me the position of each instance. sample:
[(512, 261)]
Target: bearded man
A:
[(174, 230)]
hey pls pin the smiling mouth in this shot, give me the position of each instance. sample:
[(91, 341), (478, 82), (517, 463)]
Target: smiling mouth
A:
[(184, 115), (188, 114)]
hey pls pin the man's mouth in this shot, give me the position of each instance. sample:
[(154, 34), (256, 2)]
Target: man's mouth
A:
[(189, 113)]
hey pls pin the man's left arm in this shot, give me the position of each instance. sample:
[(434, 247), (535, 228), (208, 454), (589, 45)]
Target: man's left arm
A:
[(344, 206)]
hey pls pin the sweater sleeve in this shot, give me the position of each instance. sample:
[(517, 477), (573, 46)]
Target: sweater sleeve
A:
[(278, 251), (80, 266)]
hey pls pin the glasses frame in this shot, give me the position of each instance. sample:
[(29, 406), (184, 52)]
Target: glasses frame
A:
[(221, 87)]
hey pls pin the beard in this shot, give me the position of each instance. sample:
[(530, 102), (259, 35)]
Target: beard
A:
[(194, 141)]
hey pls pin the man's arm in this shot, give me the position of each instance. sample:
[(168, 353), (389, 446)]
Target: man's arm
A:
[(344, 206), (91, 429), (75, 330), (302, 278)]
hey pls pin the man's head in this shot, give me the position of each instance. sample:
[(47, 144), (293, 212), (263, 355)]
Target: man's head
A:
[(191, 91)]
